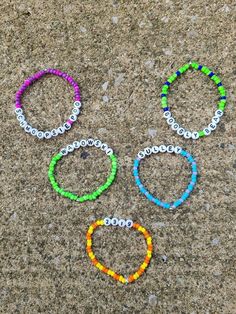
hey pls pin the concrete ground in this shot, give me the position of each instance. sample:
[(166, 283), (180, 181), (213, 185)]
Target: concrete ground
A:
[(120, 53)]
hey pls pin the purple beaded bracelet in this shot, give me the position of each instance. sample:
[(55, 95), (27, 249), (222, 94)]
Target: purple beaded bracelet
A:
[(61, 129)]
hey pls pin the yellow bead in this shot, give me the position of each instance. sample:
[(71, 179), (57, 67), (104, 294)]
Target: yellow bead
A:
[(136, 276), (100, 222), (91, 255), (100, 266), (90, 230), (144, 265), (149, 240), (89, 242), (149, 254), (111, 272)]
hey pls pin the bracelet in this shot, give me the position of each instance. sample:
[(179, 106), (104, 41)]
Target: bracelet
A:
[(61, 129), (70, 148), (120, 223), (162, 149), (218, 113)]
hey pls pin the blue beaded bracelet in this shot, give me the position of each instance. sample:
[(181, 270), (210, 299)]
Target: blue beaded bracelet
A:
[(162, 149)]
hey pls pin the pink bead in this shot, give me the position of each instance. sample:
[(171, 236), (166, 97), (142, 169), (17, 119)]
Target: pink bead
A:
[(18, 106), (70, 122)]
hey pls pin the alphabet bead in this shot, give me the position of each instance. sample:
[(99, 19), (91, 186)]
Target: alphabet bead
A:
[(67, 126), (18, 111), (61, 130), (219, 113), (141, 154), (97, 143), (215, 119), (77, 104), (109, 151), (90, 142), (27, 128), (76, 111), (64, 151), (170, 121), (34, 132), (147, 151), (47, 135), (20, 117), (104, 146), (167, 114), (83, 143), (180, 131), (121, 222), (73, 117), (40, 135), (155, 149), (163, 148), (54, 132), (170, 149), (178, 149), (212, 126), (70, 148), (207, 131), (187, 134), (175, 126), (195, 135), (76, 144)]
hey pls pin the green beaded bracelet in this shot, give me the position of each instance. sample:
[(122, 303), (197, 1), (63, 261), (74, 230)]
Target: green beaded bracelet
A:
[(70, 148), (218, 114)]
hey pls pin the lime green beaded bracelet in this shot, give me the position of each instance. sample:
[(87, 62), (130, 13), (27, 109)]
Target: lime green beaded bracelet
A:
[(218, 114), (70, 148)]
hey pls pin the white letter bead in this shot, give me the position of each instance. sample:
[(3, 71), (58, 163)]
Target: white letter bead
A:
[(70, 148), (114, 221), (163, 148), (76, 111), (97, 143), (155, 149), (122, 223), (47, 135), (141, 154), (77, 104), (67, 126), (207, 131), (90, 142), (54, 132), (40, 135), (18, 111), (76, 144), (83, 143), (195, 135), (178, 149), (104, 146), (170, 121), (109, 151), (64, 151), (170, 148), (27, 128), (129, 223), (23, 123), (187, 134), (73, 117), (107, 221), (181, 131), (175, 126), (219, 113), (61, 130), (147, 151), (212, 126), (34, 132), (167, 114), (215, 119), (20, 117)]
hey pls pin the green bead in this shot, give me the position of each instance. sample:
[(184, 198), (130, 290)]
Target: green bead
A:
[(194, 65), (201, 134)]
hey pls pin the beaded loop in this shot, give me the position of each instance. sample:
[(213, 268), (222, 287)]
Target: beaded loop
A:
[(70, 148), (61, 129), (218, 113), (169, 149), (120, 223)]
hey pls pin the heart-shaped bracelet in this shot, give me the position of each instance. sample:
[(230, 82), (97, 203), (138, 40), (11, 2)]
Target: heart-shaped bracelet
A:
[(69, 149), (218, 113), (61, 129), (120, 223)]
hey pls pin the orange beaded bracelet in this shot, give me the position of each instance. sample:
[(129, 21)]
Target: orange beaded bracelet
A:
[(121, 223)]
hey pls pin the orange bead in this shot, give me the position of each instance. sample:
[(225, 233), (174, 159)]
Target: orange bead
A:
[(131, 278), (89, 249), (136, 225), (115, 276), (94, 261), (147, 259), (94, 225), (140, 271), (150, 247)]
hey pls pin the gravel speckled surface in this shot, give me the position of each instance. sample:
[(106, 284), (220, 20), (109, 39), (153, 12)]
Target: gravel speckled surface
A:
[(120, 53)]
